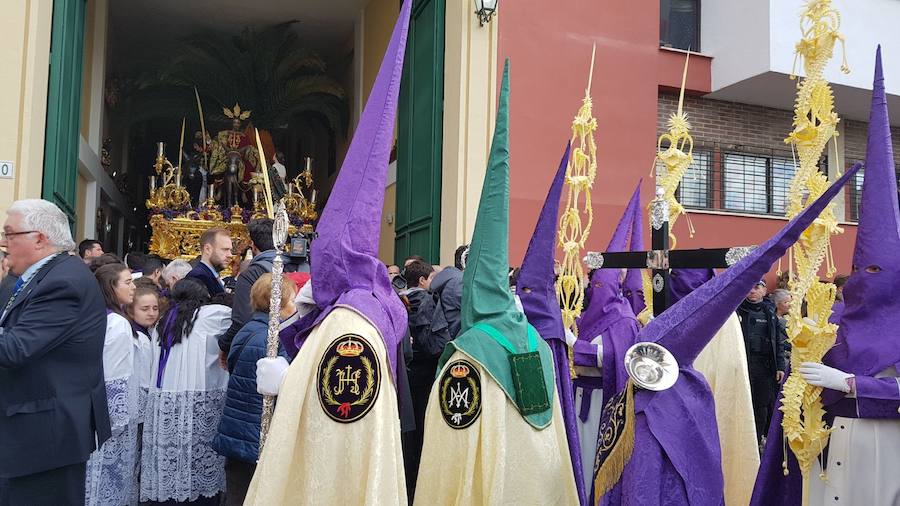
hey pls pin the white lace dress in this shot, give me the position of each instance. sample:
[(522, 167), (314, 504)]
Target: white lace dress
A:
[(184, 405), (110, 476)]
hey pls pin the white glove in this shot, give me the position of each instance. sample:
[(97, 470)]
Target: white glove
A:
[(570, 338), (269, 374), (820, 375)]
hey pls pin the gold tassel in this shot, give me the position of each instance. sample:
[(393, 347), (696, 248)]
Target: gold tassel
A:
[(647, 314), (611, 470)]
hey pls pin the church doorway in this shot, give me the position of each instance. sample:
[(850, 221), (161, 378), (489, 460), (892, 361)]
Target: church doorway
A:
[(290, 70)]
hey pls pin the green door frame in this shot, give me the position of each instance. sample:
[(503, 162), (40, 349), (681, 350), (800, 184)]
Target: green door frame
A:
[(64, 105), (420, 135)]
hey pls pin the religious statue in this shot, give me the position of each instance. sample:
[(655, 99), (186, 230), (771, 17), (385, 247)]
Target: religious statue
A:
[(197, 177), (233, 158)]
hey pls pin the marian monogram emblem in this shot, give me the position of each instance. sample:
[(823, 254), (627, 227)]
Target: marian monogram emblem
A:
[(460, 394), (348, 379)]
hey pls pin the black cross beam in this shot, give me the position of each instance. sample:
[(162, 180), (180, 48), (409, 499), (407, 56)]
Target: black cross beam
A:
[(661, 259)]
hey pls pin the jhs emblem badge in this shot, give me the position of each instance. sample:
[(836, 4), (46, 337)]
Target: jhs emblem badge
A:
[(348, 379), (460, 393)]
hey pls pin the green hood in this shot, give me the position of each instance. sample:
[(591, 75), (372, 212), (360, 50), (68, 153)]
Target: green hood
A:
[(487, 298)]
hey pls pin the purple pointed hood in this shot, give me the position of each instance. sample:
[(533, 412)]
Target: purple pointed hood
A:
[(606, 304), (536, 285), (537, 291), (345, 268), (867, 340), (684, 281), (633, 286), (687, 327)]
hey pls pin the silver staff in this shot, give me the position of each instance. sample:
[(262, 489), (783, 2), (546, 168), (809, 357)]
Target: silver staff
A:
[(279, 236)]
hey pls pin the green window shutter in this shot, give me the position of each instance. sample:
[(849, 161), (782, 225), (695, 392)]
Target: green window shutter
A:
[(420, 132), (64, 105)]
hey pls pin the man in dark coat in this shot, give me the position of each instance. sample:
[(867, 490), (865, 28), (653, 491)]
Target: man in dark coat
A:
[(263, 255), (427, 347), (53, 410), (215, 254), (765, 353), (447, 289)]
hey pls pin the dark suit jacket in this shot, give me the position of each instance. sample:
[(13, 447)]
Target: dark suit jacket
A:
[(201, 273), (53, 409)]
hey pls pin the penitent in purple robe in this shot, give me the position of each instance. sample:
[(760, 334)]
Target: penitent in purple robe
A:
[(867, 344), (536, 290), (676, 458)]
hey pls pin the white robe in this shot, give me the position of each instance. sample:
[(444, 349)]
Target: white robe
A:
[(309, 458), (110, 477), (724, 363), (183, 412), (499, 459), (588, 430), (868, 451)]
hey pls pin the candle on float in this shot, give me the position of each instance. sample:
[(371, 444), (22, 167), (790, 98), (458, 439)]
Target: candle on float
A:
[(308, 164), (178, 178), (313, 201), (160, 149), (255, 195), (152, 184)]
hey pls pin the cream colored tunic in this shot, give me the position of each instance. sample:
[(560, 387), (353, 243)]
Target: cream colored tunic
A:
[(724, 363), (863, 462), (310, 458), (499, 459)]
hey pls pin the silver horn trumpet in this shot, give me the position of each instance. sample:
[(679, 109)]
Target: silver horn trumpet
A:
[(651, 366)]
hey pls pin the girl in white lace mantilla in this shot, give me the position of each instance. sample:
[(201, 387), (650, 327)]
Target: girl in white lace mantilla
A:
[(185, 400), (110, 469)]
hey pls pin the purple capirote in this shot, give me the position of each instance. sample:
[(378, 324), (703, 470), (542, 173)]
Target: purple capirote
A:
[(536, 290), (345, 269)]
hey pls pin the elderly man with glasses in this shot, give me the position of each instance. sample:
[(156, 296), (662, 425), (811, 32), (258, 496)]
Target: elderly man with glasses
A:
[(53, 410)]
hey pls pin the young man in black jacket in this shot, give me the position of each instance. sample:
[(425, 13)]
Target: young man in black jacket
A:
[(263, 256), (427, 347), (765, 353)]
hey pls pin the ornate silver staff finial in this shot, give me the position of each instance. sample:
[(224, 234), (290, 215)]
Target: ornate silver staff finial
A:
[(279, 236)]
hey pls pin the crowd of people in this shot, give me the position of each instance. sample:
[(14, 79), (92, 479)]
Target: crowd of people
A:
[(128, 381), (181, 343)]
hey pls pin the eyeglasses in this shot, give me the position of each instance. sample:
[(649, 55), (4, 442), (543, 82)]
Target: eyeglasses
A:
[(7, 235)]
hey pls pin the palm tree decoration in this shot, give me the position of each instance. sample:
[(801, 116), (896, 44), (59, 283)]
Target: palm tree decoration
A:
[(267, 71)]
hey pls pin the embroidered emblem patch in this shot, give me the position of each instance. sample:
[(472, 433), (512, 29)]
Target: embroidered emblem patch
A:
[(348, 379), (460, 394)]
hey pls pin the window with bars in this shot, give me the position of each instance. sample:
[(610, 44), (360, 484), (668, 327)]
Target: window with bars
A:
[(854, 192), (739, 179)]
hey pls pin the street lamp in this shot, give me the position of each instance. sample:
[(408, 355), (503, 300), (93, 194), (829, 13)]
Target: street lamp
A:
[(485, 9)]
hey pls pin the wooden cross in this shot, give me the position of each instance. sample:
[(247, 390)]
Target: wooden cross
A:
[(660, 259)]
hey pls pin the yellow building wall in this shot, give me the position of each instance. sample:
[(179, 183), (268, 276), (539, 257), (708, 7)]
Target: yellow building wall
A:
[(470, 97), (25, 59), (377, 24)]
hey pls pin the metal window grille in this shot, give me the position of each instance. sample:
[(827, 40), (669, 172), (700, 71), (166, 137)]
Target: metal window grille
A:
[(854, 193), (679, 24), (696, 188), (739, 179)]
